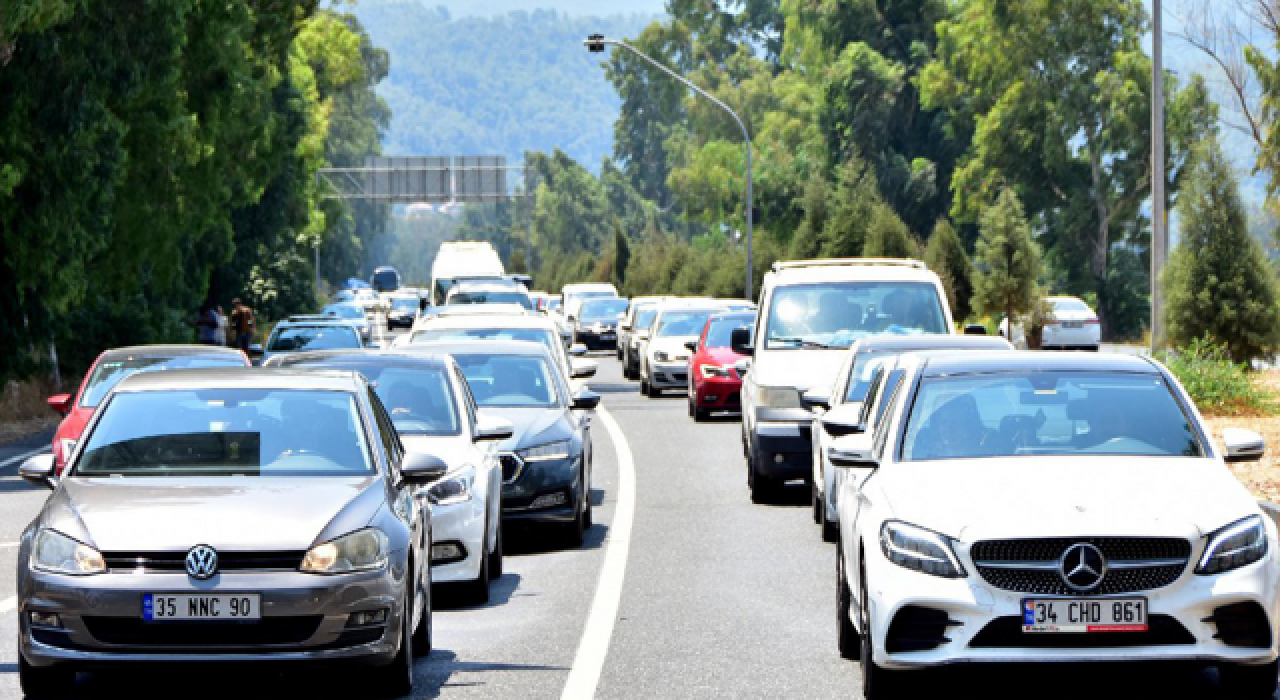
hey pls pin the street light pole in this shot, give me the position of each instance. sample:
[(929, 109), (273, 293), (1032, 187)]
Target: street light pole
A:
[(596, 43), (1159, 229)]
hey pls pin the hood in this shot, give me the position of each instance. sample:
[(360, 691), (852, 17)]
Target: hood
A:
[(1065, 496), (802, 368), (454, 450), (166, 514), (673, 345), (720, 356), (533, 426)]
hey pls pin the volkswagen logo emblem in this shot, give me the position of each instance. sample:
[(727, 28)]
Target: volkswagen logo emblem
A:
[(1082, 567), (202, 562)]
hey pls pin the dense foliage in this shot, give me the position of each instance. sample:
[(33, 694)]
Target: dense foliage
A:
[(154, 154)]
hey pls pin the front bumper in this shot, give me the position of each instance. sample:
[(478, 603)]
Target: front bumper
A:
[(304, 618), (460, 524), (718, 393), (545, 491), (783, 448), (669, 375), (598, 340), (984, 623)]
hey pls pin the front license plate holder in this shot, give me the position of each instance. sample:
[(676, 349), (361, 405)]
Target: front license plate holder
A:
[(202, 607), (1082, 615)]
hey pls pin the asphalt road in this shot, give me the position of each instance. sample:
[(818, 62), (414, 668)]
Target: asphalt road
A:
[(715, 597)]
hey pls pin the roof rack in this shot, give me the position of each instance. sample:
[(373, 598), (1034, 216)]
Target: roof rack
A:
[(839, 262), (311, 317)]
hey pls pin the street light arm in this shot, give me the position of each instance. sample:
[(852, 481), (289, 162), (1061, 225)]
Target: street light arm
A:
[(597, 42)]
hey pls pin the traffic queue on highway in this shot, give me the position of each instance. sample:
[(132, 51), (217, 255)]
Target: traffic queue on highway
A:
[(987, 504)]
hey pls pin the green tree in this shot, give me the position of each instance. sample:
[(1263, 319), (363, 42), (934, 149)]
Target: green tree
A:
[(1218, 283), (888, 237), (1008, 260), (945, 255)]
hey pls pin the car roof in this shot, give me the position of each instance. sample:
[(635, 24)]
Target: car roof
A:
[(495, 284), (979, 361), (168, 351), (927, 341), (317, 323), (367, 356), (240, 378), (733, 316), (691, 307), (502, 309), (488, 347), (848, 270), (486, 321)]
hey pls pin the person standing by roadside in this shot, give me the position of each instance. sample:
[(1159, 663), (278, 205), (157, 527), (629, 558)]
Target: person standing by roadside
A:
[(207, 325), (224, 329), (242, 324)]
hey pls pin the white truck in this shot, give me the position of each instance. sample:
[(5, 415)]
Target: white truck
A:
[(462, 259)]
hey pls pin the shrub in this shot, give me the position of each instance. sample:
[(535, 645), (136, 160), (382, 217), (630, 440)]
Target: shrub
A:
[(1217, 385)]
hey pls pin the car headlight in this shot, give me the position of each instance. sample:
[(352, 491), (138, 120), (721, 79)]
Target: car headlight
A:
[(454, 488), (919, 549), (661, 356), (542, 453), (1239, 544), (59, 554), (361, 550), (710, 371), (778, 397)]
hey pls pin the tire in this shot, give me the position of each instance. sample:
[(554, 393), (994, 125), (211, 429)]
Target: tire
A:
[(1248, 682), (495, 557), (644, 386), (477, 590), (693, 412), (588, 519), (815, 501), (396, 678), (652, 391), (847, 639), (830, 528), (574, 531), (877, 682), (422, 635), (47, 682), (763, 489), (700, 415)]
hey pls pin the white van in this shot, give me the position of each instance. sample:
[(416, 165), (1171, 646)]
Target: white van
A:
[(810, 312), (458, 259)]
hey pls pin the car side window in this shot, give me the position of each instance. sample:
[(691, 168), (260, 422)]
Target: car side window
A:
[(877, 382), (470, 402), (386, 430), (881, 434)]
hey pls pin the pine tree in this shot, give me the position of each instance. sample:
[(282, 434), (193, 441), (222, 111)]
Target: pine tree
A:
[(887, 236), (945, 255), (1218, 283), (1008, 260)]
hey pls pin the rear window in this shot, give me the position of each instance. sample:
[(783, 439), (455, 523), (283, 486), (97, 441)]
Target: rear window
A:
[(1070, 305), (509, 380), (297, 338), (532, 335), (108, 374), (223, 432)]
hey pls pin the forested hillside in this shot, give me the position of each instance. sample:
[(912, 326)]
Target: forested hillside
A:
[(495, 86)]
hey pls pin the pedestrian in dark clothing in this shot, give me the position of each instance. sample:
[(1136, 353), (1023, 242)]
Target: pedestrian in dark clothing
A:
[(242, 324), (207, 325)]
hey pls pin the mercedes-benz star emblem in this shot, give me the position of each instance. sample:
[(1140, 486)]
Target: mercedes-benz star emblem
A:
[(1082, 567), (202, 562)]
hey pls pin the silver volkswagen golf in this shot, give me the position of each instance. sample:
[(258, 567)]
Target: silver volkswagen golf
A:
[(230, 515)]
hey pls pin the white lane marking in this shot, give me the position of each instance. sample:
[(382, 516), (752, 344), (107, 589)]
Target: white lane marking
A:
[(18, 459), (594, 646), (8, 605), (9, 545)]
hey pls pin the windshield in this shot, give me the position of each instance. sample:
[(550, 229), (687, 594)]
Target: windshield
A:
[(509, 380), (602, 310), (313, 338), (221, 432), (1070, 305), (676, 323), (835, 314), (719, 335), (1047, 413), (491, 298), (404, 304), (109, 373), (345, 311), (644, 317)]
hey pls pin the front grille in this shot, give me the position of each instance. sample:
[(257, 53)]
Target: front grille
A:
[(512, 466), (1006, 633), (175, 636), (1133, 563), (164, 562)]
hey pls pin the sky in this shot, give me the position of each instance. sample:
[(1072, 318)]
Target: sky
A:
[(488, 8)]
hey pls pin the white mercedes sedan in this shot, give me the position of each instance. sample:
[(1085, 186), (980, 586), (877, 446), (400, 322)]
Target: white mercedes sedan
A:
[(1034, 507)]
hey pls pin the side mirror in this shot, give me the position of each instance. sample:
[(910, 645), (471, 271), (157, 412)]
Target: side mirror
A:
[(817, 398), (975, 329), (854, 453), (740, 341), (581, 369), (420, 467), (39, 470), (691, 344), (586, 400), (845, 419), (60, 403), (1243, 445), (493, 428), (742, 367), (577, 349)]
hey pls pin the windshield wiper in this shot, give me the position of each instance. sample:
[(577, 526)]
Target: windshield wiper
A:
[(804, 343)]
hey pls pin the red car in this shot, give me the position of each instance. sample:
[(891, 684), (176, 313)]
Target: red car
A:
[(714, 381), (114, 365)]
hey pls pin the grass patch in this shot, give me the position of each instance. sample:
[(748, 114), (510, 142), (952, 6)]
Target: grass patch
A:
[(1218, 385)]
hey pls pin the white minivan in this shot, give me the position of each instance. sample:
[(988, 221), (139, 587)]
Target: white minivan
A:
[(810, 312)]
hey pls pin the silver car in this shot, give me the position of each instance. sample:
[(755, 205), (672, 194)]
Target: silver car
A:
[(230, 515)]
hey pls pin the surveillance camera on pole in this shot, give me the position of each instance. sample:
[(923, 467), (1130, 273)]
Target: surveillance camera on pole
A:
[(595, 43)]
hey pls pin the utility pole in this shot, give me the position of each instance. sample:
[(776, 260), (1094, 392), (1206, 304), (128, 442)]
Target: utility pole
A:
[(596, 43), (1159, 228)]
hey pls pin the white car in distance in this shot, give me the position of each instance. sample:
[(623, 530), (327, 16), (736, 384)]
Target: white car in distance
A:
[(1051, 507), (1071, 325)]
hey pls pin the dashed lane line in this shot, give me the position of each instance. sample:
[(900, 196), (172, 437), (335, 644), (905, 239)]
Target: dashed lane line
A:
[(19, 459), (588, 663)]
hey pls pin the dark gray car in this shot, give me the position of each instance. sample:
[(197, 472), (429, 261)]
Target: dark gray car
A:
[(229, 515)]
